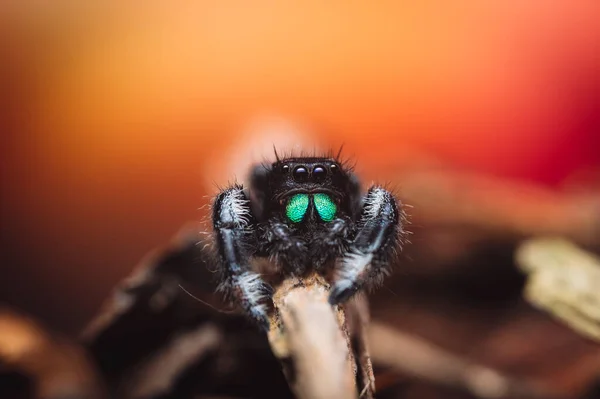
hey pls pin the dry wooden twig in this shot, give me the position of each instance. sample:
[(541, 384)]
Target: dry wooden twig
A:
[(56, 368), (314, 342), (499, 207), (158, 374), (563, 280), (418, 358)]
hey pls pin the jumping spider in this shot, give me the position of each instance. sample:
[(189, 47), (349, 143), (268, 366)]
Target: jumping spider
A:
[(305, 213)]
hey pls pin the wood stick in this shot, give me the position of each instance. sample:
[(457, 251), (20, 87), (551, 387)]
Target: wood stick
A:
[(563, 280), (418, 358), (314, 342), (56, 367)]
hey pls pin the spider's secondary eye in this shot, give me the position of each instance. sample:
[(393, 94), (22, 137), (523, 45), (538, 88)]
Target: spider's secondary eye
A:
[(333, 168), (300, 173), (319, 172), (285, 168), (326, 208), (296, 208)]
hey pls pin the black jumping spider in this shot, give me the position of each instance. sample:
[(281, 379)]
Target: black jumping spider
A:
[(303, 213)]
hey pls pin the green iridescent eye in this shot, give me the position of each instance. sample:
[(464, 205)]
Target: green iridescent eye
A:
[(296, 207), (325, 207)]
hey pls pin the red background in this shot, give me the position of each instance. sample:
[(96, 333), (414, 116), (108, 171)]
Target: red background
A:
[(115, 117)]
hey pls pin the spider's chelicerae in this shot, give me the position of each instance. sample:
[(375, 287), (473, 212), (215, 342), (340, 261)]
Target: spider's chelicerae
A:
[(304, 213)]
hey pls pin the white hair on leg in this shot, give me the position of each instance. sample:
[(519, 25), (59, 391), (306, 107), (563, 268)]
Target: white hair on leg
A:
[(356, 262), (235, 208), (353, 264), (375, 200), (252, 286)]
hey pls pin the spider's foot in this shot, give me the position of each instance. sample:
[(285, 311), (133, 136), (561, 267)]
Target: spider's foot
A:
[(250, 292), (259, 316), (342, 290)]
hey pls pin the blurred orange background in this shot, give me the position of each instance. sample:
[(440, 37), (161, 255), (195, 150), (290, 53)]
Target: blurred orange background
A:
[(115, 116)]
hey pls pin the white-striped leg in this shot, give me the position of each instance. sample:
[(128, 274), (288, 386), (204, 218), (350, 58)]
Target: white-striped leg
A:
[(376, 239), (234, 229)]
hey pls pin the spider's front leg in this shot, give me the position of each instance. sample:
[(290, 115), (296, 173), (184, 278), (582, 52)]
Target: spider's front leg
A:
[(375, 242), (234, 227)]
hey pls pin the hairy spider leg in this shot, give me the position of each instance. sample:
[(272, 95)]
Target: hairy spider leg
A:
[(234, 228), (376, 240)]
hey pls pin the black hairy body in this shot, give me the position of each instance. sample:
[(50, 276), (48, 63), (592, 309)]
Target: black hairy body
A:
[(304, 214)]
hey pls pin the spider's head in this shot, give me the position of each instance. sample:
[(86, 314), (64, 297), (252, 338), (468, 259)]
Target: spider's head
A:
[(310, 175), (303, 189), (301, 184)]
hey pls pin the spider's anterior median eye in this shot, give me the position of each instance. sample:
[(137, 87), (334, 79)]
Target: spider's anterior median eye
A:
[(297, 207), (319, 172), (300, 173), (325, 207)]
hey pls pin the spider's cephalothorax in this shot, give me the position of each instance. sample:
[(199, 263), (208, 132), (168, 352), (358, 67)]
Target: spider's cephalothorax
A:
[(305, 214)]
